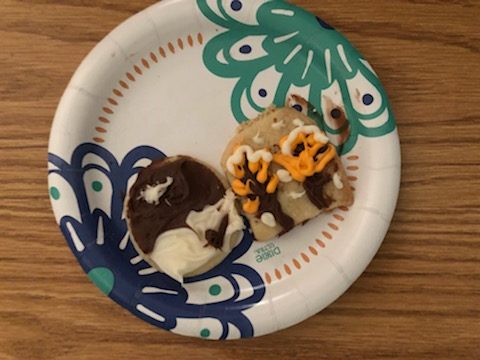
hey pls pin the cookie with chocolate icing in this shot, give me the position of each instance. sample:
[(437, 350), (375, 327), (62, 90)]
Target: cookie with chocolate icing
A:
[(181, 217), (284, 171)]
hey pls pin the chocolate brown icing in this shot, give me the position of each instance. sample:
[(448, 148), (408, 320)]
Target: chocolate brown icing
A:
[(268, 202), (215, 237), (314, 186), (194, 187)]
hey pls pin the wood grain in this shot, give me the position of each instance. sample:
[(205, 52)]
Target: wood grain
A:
[(418, 299)]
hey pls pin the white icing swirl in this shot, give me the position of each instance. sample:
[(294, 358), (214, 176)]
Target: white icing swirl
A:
[(337, 181), (253, 156), (268, 219), (152, 193), (307, 130), (181, 251), (257, 139), (178, 252), (278, 125), (298, 122), (296, 195), (284, 176)]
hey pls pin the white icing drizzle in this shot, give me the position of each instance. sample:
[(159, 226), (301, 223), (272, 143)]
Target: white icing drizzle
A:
[(257, 139), (310, 129), (179, 252), (182, 251), (278, 125), (152, 194), (337, 181), (298, 122), (268, 219), (284, 176), (296, 195), (253, 156), (211, 216)]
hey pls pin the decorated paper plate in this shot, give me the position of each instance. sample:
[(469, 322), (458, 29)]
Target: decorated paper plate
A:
[(178, 78)]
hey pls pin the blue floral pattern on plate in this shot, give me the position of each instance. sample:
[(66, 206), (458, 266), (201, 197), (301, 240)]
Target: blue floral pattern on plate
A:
[(98, 236)]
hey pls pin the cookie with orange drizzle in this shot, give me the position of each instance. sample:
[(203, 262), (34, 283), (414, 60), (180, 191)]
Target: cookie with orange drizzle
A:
[(305, 152), (257, 186), (284, 172)]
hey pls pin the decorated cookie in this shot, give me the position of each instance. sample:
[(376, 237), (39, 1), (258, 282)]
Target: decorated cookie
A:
[(182, 219), (284, 171)]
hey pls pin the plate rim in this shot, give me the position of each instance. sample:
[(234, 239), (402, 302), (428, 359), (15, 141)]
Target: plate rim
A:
[(53, 137)]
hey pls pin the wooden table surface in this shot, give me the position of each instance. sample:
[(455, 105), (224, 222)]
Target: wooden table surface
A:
[(420, 296)]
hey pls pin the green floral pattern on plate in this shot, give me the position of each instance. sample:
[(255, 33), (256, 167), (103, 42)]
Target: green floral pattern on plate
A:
[(306, 53)]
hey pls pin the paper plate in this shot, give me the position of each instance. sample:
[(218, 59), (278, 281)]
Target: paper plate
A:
[(177, 78)]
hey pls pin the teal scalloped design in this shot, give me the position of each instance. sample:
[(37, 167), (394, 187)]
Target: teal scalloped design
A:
[(306, 52)]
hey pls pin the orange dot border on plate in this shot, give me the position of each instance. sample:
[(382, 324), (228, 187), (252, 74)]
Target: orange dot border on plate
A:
[(138, 70)]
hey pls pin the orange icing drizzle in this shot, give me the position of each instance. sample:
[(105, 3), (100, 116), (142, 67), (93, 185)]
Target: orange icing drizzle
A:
[(262, 175), (253, 166), (239, 171), (273, 184), (240, 188), (251, 206), (243, 189), (306, 164)]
